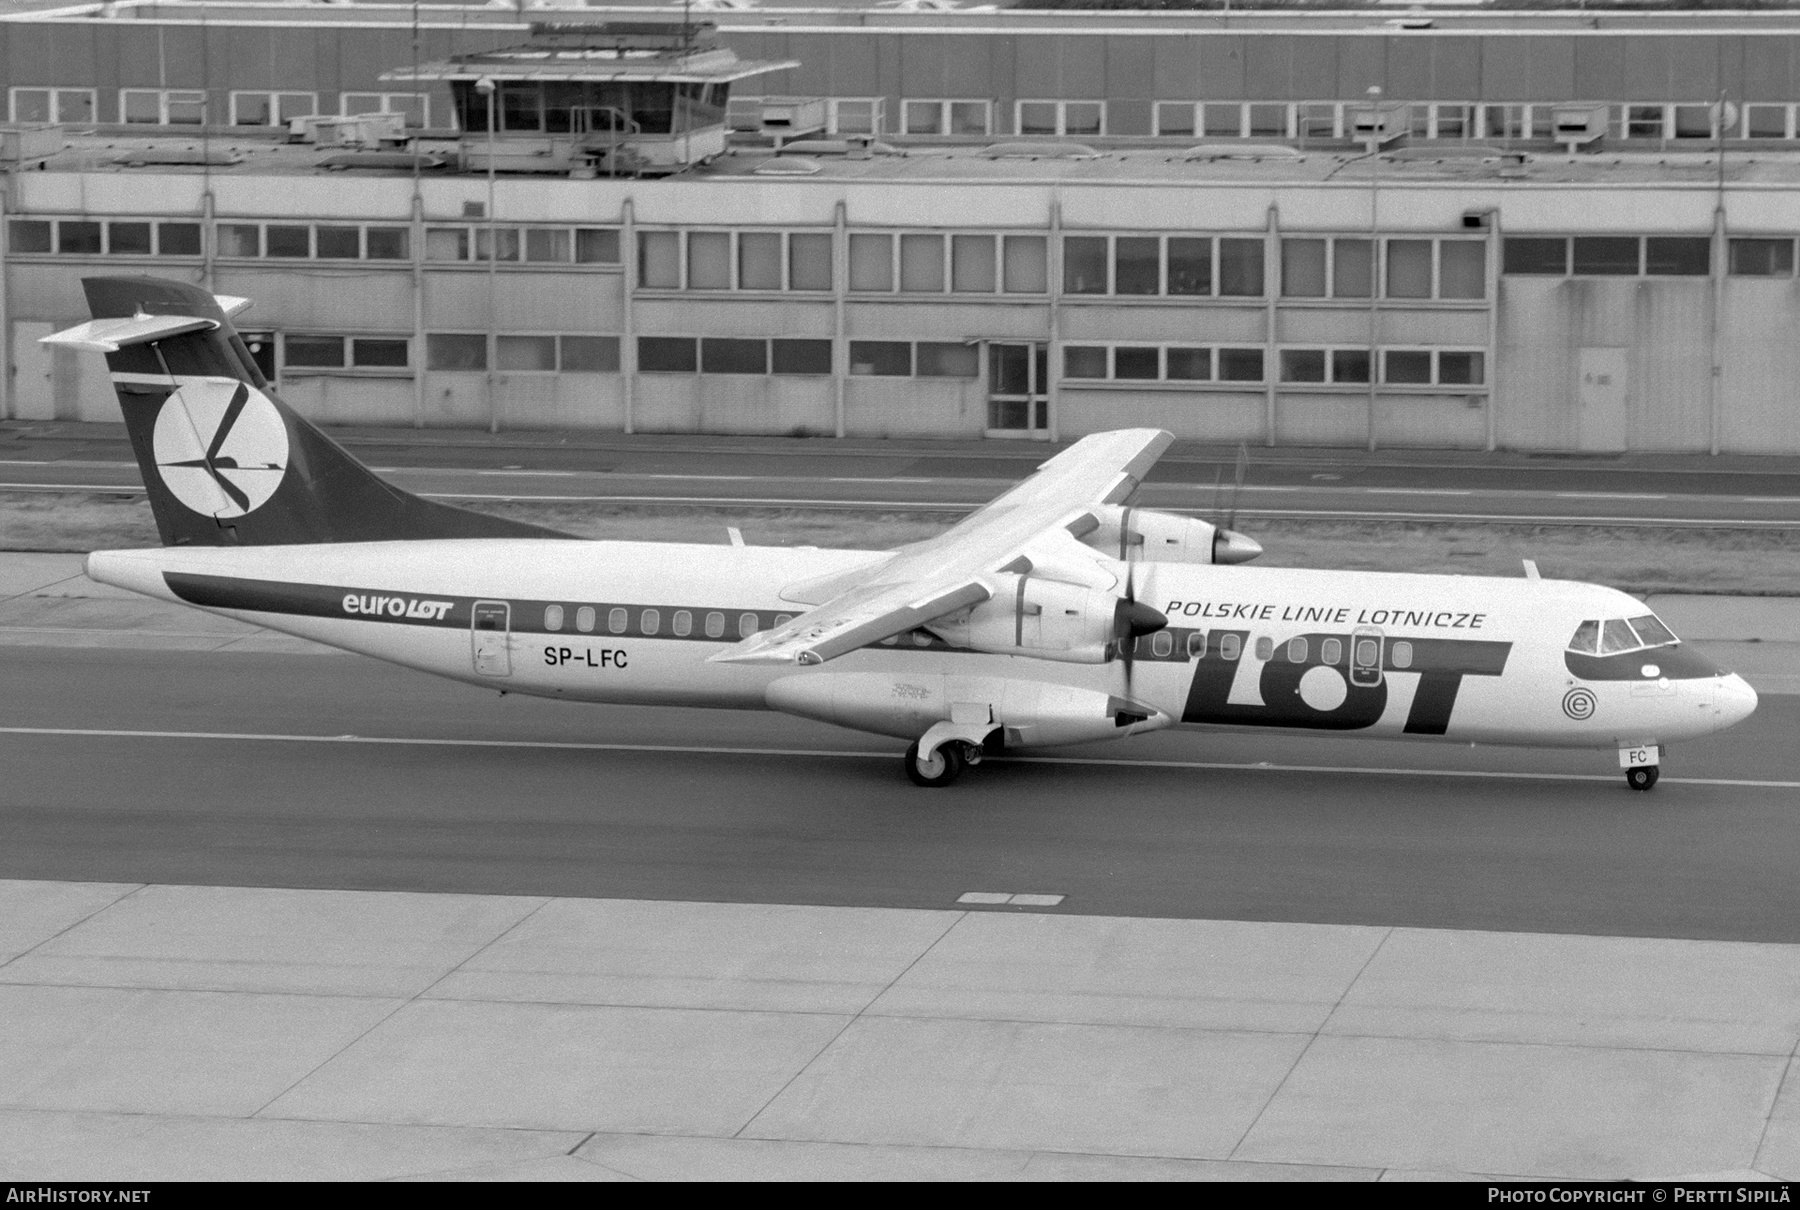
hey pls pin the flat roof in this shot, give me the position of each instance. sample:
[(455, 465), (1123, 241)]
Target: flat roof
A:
[(1201, 164), (856, 16)]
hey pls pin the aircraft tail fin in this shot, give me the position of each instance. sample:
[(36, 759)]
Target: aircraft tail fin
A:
[(224, 460)]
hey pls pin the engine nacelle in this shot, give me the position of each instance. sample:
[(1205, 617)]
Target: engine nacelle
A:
[(1038, 617), (1152, 537), (1017, 713)]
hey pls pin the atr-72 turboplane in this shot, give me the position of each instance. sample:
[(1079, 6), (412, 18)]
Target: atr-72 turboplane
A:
[(1057, 614)]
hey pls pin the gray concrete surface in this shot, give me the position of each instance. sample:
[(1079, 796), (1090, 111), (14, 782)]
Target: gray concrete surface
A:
[(171, 1032), (129, 765)]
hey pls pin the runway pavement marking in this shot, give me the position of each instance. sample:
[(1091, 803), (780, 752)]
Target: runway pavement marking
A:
[(850, 753), (1007, 899)]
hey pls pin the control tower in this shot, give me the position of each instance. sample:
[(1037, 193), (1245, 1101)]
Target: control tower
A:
[(594, 99)]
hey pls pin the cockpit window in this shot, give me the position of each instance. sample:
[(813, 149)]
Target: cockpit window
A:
[(1651, 631), (1615, 635)]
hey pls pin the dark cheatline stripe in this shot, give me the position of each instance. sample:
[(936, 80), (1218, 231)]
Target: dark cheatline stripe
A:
[(1678, 663)]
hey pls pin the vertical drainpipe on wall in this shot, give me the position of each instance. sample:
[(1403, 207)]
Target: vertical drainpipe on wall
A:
[(1492, 286), (1271, 292), (1053, 356), (7, 183), (628, 283), (420, 363), (1714, 383), (840, 283), (209, 240)]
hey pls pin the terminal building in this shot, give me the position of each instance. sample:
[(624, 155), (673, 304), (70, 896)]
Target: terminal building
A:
[(1522, 230)]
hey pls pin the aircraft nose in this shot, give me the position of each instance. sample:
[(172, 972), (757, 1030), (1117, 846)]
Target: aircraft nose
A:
[(1737, 700)]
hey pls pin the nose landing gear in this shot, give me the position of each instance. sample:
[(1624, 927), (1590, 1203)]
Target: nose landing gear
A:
[(1640, 765)]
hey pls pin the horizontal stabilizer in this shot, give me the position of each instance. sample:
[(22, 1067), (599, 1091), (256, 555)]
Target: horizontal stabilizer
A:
[(111, 335)]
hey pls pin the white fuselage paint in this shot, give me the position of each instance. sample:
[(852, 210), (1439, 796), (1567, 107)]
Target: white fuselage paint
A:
[(404, 584)]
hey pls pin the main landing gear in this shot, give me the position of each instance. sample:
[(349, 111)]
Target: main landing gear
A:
[(943, 767)]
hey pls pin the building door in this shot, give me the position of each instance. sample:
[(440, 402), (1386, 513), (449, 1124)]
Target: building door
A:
[(1018, 390), (33, 390), (491, 623), (1600, 400)]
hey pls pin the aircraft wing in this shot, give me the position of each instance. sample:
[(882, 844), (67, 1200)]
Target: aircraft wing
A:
[(957, 568)]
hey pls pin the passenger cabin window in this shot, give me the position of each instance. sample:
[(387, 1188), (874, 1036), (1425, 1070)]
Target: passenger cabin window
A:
[(1401, 654), (617, 620), (715, 625), (651, 621), (1296, 651), (1331, 651), (1265, 648), (746, 625), (1230, 647), (1196, 645), (584, 619), (553, 617), (1163, 643)]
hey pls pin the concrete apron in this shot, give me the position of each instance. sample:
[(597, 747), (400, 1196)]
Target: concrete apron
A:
[(46, 601), (170, 1032)]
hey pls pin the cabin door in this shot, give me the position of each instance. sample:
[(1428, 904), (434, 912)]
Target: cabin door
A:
[(490, 631)]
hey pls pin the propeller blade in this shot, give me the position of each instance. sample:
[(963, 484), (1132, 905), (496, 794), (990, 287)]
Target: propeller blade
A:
[(1237, 487)]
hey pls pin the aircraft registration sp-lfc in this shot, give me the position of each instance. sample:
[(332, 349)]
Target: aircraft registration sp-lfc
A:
[(1057, 614)]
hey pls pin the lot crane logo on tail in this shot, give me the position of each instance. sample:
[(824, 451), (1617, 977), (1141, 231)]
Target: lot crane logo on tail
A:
[(220, 446)]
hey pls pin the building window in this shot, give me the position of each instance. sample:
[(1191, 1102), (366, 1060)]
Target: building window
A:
[(1303, 268), (416, 106), (312, 352), (70, 106), (1409, 268), (455, 351), (1769, 121), (1303, 365), (1406, 366), (1176, 119), (1607, 256), (1222, 119), (446, 243), (925, 117), (944, 359), (367, 352), (1241, 271), (178, 239), (1240, 365), (271, 108), (1267, 121), (809, 262), (1026, 269), (162, 106), (1762, 257), (497, 243), (128, 239), (389, 243), (547, 245), (1427, 367), (709, 260), (801, 356), (1084, 264), (295, 242), (1153, 363), (1462, 268), (596, 246), (1644, 122), (27, 235), (972, 269), (525, 354), (759, 261), (1084, 361), (881, 358), (338, 243), (857, 115), (729, 355), (239, 239), (1677, 256), (872, 263), (922, 264), (78, 237), (1461, 368), (1072, 119), (1535, 255), (1137, 264), (659, 259), (1139, 362), (590, 354), (667, 354)]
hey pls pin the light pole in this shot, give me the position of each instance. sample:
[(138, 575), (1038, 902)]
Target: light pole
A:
[(1376, 122), (485, 86)]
